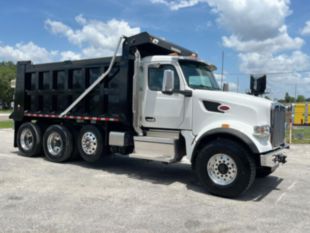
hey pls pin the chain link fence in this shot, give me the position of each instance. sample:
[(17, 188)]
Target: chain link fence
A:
[(299, 134), (298, 130)]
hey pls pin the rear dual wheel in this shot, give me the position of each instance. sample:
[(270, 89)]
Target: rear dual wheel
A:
[(29, 139), (57, 143)]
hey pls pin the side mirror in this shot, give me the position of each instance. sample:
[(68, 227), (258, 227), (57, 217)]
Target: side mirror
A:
[(168, 82), (225, 87)]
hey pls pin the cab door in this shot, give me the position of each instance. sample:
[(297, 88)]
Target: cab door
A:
[(161, 110)]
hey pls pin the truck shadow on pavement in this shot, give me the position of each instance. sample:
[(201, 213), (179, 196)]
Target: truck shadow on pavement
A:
[(159, 173), (163, 174)]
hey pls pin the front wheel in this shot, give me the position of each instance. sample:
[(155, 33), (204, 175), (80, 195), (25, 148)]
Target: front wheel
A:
[(225, 168)]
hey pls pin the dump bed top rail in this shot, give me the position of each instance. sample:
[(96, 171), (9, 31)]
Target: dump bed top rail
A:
[(149, 45)]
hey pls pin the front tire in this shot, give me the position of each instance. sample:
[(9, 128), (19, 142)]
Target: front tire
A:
[(57, 144), (29, 139), (225, 168)]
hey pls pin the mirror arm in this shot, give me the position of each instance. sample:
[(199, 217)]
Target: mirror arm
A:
[(167, 92), (186, 93)]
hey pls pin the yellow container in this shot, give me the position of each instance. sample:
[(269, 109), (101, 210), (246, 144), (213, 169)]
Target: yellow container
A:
[(308, 113), (301, 114)]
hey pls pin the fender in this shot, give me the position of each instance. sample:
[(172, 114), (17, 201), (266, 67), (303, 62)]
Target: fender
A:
[(226, 131)]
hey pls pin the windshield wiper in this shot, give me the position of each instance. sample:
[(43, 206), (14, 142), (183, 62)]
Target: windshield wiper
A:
[(202, 87)]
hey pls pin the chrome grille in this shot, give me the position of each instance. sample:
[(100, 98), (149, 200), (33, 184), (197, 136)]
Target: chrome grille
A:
[(277, 125)]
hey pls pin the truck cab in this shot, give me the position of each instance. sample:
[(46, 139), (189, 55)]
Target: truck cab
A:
[(180, 94)]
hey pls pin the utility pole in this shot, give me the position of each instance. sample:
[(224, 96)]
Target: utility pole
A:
[(222, 74), (238, 84), (295, 92)]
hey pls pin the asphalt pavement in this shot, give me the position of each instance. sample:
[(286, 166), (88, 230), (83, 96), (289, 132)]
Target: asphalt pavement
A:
[(119, 194)]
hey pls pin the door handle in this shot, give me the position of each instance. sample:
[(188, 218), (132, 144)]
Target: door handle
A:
[(150, 119)]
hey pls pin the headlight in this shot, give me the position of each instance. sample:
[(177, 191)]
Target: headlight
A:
[(262, 131)]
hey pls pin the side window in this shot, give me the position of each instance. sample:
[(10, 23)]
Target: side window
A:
[(156, 76)]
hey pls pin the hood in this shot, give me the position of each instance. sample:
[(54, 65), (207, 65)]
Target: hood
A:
[(232, 97), (252, 109)]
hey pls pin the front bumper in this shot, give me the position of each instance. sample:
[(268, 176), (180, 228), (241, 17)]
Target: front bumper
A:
[(273, 158)]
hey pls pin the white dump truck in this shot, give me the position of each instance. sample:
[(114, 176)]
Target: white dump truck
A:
[(156, 101)]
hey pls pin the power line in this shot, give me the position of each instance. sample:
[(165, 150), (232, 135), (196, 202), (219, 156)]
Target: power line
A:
[(222, 73), (269, 73)]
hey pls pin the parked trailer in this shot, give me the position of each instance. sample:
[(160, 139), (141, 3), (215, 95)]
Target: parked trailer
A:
[(156, 101)]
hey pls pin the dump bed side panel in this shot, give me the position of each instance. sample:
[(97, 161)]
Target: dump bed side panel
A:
[(51, 88)]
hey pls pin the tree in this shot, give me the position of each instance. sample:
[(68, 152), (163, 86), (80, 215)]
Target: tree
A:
[(288, 98), (7, 73), (300, 99)]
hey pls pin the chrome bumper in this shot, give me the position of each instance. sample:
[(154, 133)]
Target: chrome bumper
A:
[(274, 158)]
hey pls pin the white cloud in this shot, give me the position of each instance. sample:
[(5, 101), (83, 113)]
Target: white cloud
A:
[(259, 35), (251, 19), (70, 55), (284, 71), (253, 24), (95, 38), (268, 63), (306, 29), (232, 87), (281, 42), (218, 78), (26, 51), (279, 84), (247, 19), (35, 53), (176, 5)]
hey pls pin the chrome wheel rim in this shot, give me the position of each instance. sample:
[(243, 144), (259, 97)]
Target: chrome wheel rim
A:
[(26, 139), (54, 144), (222, 169), (89, 143)]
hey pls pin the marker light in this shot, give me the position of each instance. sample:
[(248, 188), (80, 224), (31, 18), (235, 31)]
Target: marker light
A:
[(223, 108)]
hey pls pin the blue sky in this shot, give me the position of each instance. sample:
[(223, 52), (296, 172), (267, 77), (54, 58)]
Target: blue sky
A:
[(257, 36)]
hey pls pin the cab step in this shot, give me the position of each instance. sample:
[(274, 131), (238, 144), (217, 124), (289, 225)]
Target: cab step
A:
[(155, 148)]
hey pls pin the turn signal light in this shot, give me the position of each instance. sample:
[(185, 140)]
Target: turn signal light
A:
[(226, 126)]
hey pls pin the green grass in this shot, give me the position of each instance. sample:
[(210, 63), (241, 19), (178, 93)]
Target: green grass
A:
[(6, 124), (6, 111), (300, 135)]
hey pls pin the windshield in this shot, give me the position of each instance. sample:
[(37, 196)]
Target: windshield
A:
[(198, 75)]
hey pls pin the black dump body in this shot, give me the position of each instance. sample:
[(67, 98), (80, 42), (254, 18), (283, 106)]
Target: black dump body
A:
[(46, 90), (49, 89)]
